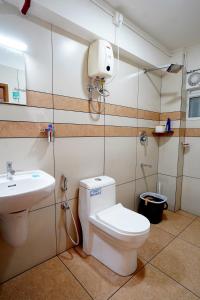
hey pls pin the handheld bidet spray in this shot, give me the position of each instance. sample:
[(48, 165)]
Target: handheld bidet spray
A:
[(65, 205)]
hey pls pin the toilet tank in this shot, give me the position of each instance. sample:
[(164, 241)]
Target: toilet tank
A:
[(96, 194)]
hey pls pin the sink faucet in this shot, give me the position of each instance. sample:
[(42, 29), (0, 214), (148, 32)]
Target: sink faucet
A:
[(10, 170)]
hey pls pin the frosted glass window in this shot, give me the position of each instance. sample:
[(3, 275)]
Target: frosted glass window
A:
[(194, 107)]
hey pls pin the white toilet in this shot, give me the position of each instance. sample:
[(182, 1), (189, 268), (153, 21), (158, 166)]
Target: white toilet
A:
[(111, 232)]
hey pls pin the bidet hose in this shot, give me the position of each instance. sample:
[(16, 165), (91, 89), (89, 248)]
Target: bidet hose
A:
[(67, 206)]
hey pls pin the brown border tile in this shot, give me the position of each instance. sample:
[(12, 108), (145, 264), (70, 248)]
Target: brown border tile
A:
[(149, 131), (192, 132), (175, 115), (76, 130), (39, 99), (13, 129), (148, 115), (69, 103), (119, 110), (120, 131)]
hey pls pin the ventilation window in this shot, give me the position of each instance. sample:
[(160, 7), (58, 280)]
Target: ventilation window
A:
[(194, 107)]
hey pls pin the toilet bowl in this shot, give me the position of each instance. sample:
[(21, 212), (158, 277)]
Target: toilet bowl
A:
[(111, 232)]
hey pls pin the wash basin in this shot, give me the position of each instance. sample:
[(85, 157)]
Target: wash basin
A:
[(24, 190)]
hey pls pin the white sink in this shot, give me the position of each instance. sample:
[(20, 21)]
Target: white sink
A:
[(17, 196), (24, 190)]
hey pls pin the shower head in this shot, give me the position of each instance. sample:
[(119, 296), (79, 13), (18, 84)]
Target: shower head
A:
[(172, 68)]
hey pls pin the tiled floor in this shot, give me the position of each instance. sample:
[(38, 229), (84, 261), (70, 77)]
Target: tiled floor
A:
[(168, 268)]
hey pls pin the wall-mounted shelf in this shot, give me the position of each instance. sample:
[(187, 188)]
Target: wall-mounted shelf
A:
[(166, 133)]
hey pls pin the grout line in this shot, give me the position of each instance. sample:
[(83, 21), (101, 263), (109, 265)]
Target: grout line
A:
[(174, 237), (75, 277), (174, 280), (132, 276), (27, 270), (54, 156), (182, 239)]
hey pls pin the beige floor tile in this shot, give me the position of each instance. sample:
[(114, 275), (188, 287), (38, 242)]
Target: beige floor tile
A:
[(98, 280), (158, 239), (181, 261), (50, 280), (173, 223), (151, 284), (192, 233), (186, 214)]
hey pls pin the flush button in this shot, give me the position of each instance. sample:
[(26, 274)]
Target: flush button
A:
[(97, 179)]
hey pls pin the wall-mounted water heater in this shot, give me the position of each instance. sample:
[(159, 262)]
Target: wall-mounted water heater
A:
[(100, 60)]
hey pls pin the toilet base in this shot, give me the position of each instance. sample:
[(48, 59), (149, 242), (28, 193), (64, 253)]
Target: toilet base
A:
[(121, 260)]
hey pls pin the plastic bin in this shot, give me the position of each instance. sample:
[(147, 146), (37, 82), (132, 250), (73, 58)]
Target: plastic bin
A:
[(152, 205)]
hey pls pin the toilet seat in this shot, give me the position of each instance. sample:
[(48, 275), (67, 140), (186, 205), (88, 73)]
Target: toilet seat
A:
[(121, 223), (124, 220)]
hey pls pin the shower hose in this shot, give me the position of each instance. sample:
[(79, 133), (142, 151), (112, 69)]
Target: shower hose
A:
[(66, 206)]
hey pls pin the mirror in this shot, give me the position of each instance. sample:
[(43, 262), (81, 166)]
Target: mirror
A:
[(12, 77)]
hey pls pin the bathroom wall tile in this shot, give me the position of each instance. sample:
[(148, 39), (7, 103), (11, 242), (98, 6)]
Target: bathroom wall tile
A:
[(120, 158), (168, 188), (192, 123), (50, 280), (80, 130), (179, 182), (168, 156), (183, 271), (100, 281), (148, 115), (61, 116), (69, 65), (191, 233), (39, 99), (192, 132), (125, 194), (174, 115), (149, 91), (34, 33), (63, 221), (20, 129), (77, 158), (149, 131), (120, 131), (147, 158), (174, 124), (171, 92), (147, 123), (190, 195), (127, 76), (72, 104), (146, 184), (40, 245), (30, 154), (119, 110), (120, 121), (25, 113), (191, 158), (150, 283), (181, 152)]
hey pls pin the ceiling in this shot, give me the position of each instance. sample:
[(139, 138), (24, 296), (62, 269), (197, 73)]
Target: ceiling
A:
[(173, 23)]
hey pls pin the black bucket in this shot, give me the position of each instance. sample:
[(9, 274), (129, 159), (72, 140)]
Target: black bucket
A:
[(152, 205)]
